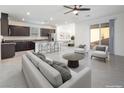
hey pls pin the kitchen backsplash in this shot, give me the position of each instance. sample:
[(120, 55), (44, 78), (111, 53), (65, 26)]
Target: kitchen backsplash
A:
[(23, 38)]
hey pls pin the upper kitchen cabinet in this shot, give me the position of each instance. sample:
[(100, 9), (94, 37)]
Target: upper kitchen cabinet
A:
[(4, 24), (46, 32), (19, 30)]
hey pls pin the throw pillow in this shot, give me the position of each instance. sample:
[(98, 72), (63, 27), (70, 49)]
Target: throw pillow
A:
[(65, 73), (59, 63), (82, 46), (63, 69), (48, 61), (51, 74), (40, 55), (44, 58), (100, 48)]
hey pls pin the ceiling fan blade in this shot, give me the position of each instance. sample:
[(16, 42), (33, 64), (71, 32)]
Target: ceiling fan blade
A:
[(69, 11), (83, 9), (68, 7)]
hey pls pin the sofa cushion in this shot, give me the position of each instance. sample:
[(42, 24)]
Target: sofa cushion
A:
[(80, 50), (40, 55), (64, 71), (48, 60), (33, 58), (33, 76), (101, 54), (51, 74), (62, 68), (44, 58), (59, 64)]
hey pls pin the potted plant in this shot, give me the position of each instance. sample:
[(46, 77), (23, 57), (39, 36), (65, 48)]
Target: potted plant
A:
[(72, 38), (72, 41)]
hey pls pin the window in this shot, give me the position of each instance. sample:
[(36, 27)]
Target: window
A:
[(99, 34)]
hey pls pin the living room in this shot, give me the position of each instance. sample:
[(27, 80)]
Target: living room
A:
[(62, 34)]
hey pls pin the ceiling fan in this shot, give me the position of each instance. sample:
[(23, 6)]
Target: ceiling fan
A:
[(75, 9)]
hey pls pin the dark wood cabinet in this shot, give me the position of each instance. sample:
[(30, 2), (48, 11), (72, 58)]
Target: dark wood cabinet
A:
[(4, 24), (7, 50), (19, 46), (46, 32), (19, 30), (24, 45)]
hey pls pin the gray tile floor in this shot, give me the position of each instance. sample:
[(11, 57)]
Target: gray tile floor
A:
[(109, 74), (10, 72)]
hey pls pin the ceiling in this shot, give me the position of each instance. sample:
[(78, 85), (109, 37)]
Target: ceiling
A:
[(43, 13)]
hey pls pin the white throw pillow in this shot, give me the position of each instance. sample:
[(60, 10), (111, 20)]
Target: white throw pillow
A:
[(51, 74)]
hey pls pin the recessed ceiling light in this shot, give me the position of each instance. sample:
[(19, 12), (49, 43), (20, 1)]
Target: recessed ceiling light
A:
[(51, 18), (23, 19), (28, 13)]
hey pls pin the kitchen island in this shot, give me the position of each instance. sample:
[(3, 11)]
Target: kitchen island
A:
[(23, 45), (47, 46)]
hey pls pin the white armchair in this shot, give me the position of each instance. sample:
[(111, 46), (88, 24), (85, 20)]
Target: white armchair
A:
[(101, 51), (80, 49)]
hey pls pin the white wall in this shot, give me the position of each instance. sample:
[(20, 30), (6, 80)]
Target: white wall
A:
[(82, 32), (67, 30), (119, 35)]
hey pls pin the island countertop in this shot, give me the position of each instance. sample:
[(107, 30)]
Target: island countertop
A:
[(24, 39), (21, 38)]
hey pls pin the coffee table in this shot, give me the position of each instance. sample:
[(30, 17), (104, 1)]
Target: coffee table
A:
[(73, 59)]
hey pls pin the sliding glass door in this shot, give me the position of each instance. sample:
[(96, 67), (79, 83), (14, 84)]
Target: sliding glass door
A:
[(99, 35), (94, 39), (105, 36)]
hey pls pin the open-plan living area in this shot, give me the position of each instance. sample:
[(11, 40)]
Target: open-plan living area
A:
[(61, 46)]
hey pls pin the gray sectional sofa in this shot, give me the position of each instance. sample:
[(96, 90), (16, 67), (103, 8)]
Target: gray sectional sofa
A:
[(39, 74)]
